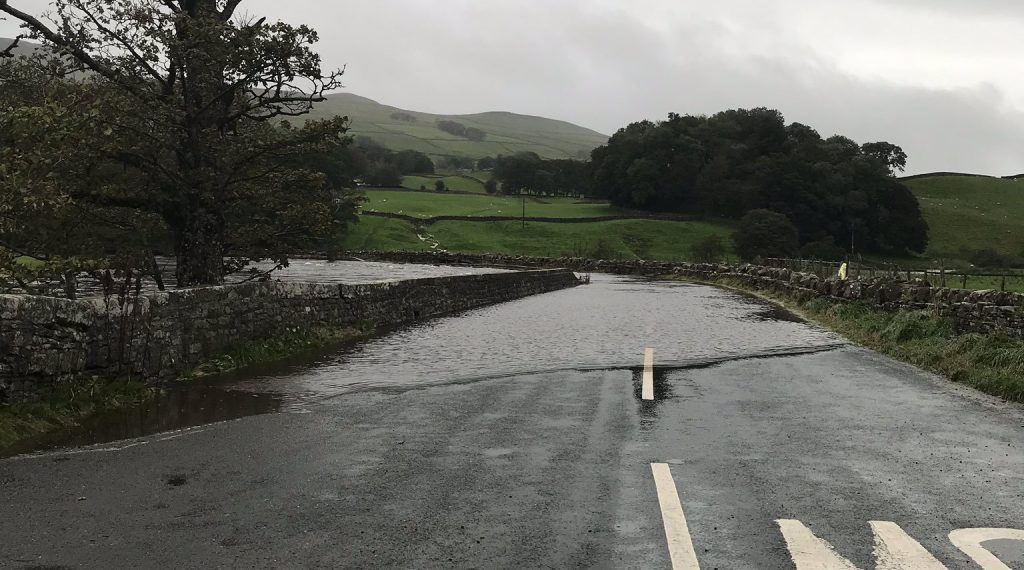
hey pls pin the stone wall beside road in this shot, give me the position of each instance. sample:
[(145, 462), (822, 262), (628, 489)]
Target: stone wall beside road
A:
[(973, 311), (47, 340)]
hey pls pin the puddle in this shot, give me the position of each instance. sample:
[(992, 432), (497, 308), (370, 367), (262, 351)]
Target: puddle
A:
[(174, 409)]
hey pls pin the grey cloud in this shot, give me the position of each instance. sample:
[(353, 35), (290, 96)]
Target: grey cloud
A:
[(978, 8), (603, 64)]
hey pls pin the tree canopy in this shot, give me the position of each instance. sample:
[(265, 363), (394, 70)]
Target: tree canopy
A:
[(528, 173), (764, 233), (736, 161), (168, 114)]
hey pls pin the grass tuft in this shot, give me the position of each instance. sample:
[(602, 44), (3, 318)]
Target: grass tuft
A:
[(295, 341)]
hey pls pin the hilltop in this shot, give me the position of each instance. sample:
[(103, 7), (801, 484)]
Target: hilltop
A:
[(506, 133), (970, 212), (401, 129)]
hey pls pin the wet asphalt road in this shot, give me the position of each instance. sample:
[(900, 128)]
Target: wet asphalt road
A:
[(398, 454)]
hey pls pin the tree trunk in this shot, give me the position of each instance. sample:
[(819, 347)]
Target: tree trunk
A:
[(200, 250)]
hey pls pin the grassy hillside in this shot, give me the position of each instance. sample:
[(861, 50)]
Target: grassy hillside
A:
[(507, 133), (622, 239), (430, 204), (970, 213)]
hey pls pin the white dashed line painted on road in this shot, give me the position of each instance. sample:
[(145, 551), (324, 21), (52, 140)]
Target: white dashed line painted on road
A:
[(648, 381), (680, 545)]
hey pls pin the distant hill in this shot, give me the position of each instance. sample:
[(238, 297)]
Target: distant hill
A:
[(506, 133), (968, 212), (25, 47), (399, 129)]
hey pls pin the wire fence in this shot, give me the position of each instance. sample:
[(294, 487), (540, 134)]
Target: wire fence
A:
[(1006, 280)]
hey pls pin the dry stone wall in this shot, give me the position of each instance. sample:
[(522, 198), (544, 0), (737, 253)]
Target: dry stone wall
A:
[(46, 340), (971, 311)]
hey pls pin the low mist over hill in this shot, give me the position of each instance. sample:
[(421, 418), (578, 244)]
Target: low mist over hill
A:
[(502, 133)]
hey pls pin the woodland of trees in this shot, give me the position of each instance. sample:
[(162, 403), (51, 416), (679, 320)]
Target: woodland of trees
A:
[(145, 125), (376, 165), (458, 129), (835, 192), (528, 173)]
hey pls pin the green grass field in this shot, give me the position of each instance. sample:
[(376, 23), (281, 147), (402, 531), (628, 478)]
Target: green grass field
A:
[(620, 239), (431, 204), (969, 213), (507, 133)]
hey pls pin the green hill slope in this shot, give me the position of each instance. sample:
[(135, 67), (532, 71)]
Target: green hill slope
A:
[(25, 47), (507, 133), (969, 213)]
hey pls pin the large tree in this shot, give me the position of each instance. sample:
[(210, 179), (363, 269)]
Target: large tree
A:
[(188, 99), (733, 162)]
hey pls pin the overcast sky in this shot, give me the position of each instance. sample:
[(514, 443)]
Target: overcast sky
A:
[(942, 78)]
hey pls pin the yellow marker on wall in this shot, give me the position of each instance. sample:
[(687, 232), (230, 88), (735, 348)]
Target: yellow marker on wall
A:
[(842, 271)]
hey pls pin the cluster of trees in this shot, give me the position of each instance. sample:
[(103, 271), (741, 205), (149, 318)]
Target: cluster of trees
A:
[(404, 117), (454, 163), (458, 129), (150, 123), (376, 165), (832, 192), (528, 173)]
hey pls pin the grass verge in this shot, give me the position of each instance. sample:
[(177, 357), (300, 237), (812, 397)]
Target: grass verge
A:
[(291, 343), (991, 363), (71, 402)]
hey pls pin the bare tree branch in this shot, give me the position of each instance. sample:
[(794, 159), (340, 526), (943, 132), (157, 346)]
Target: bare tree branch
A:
[(125, 44)]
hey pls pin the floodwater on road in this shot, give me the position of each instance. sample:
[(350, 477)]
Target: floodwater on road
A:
[(604, 325), (312, 271)]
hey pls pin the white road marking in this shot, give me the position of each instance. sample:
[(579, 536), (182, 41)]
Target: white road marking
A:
[(896, 550), (970, 541), (648, 383), (808, 551), (680, 545)]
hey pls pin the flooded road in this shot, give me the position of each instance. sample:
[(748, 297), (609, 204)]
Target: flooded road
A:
[(604, 325), (518, 436), (307, 271), (601, 326)]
